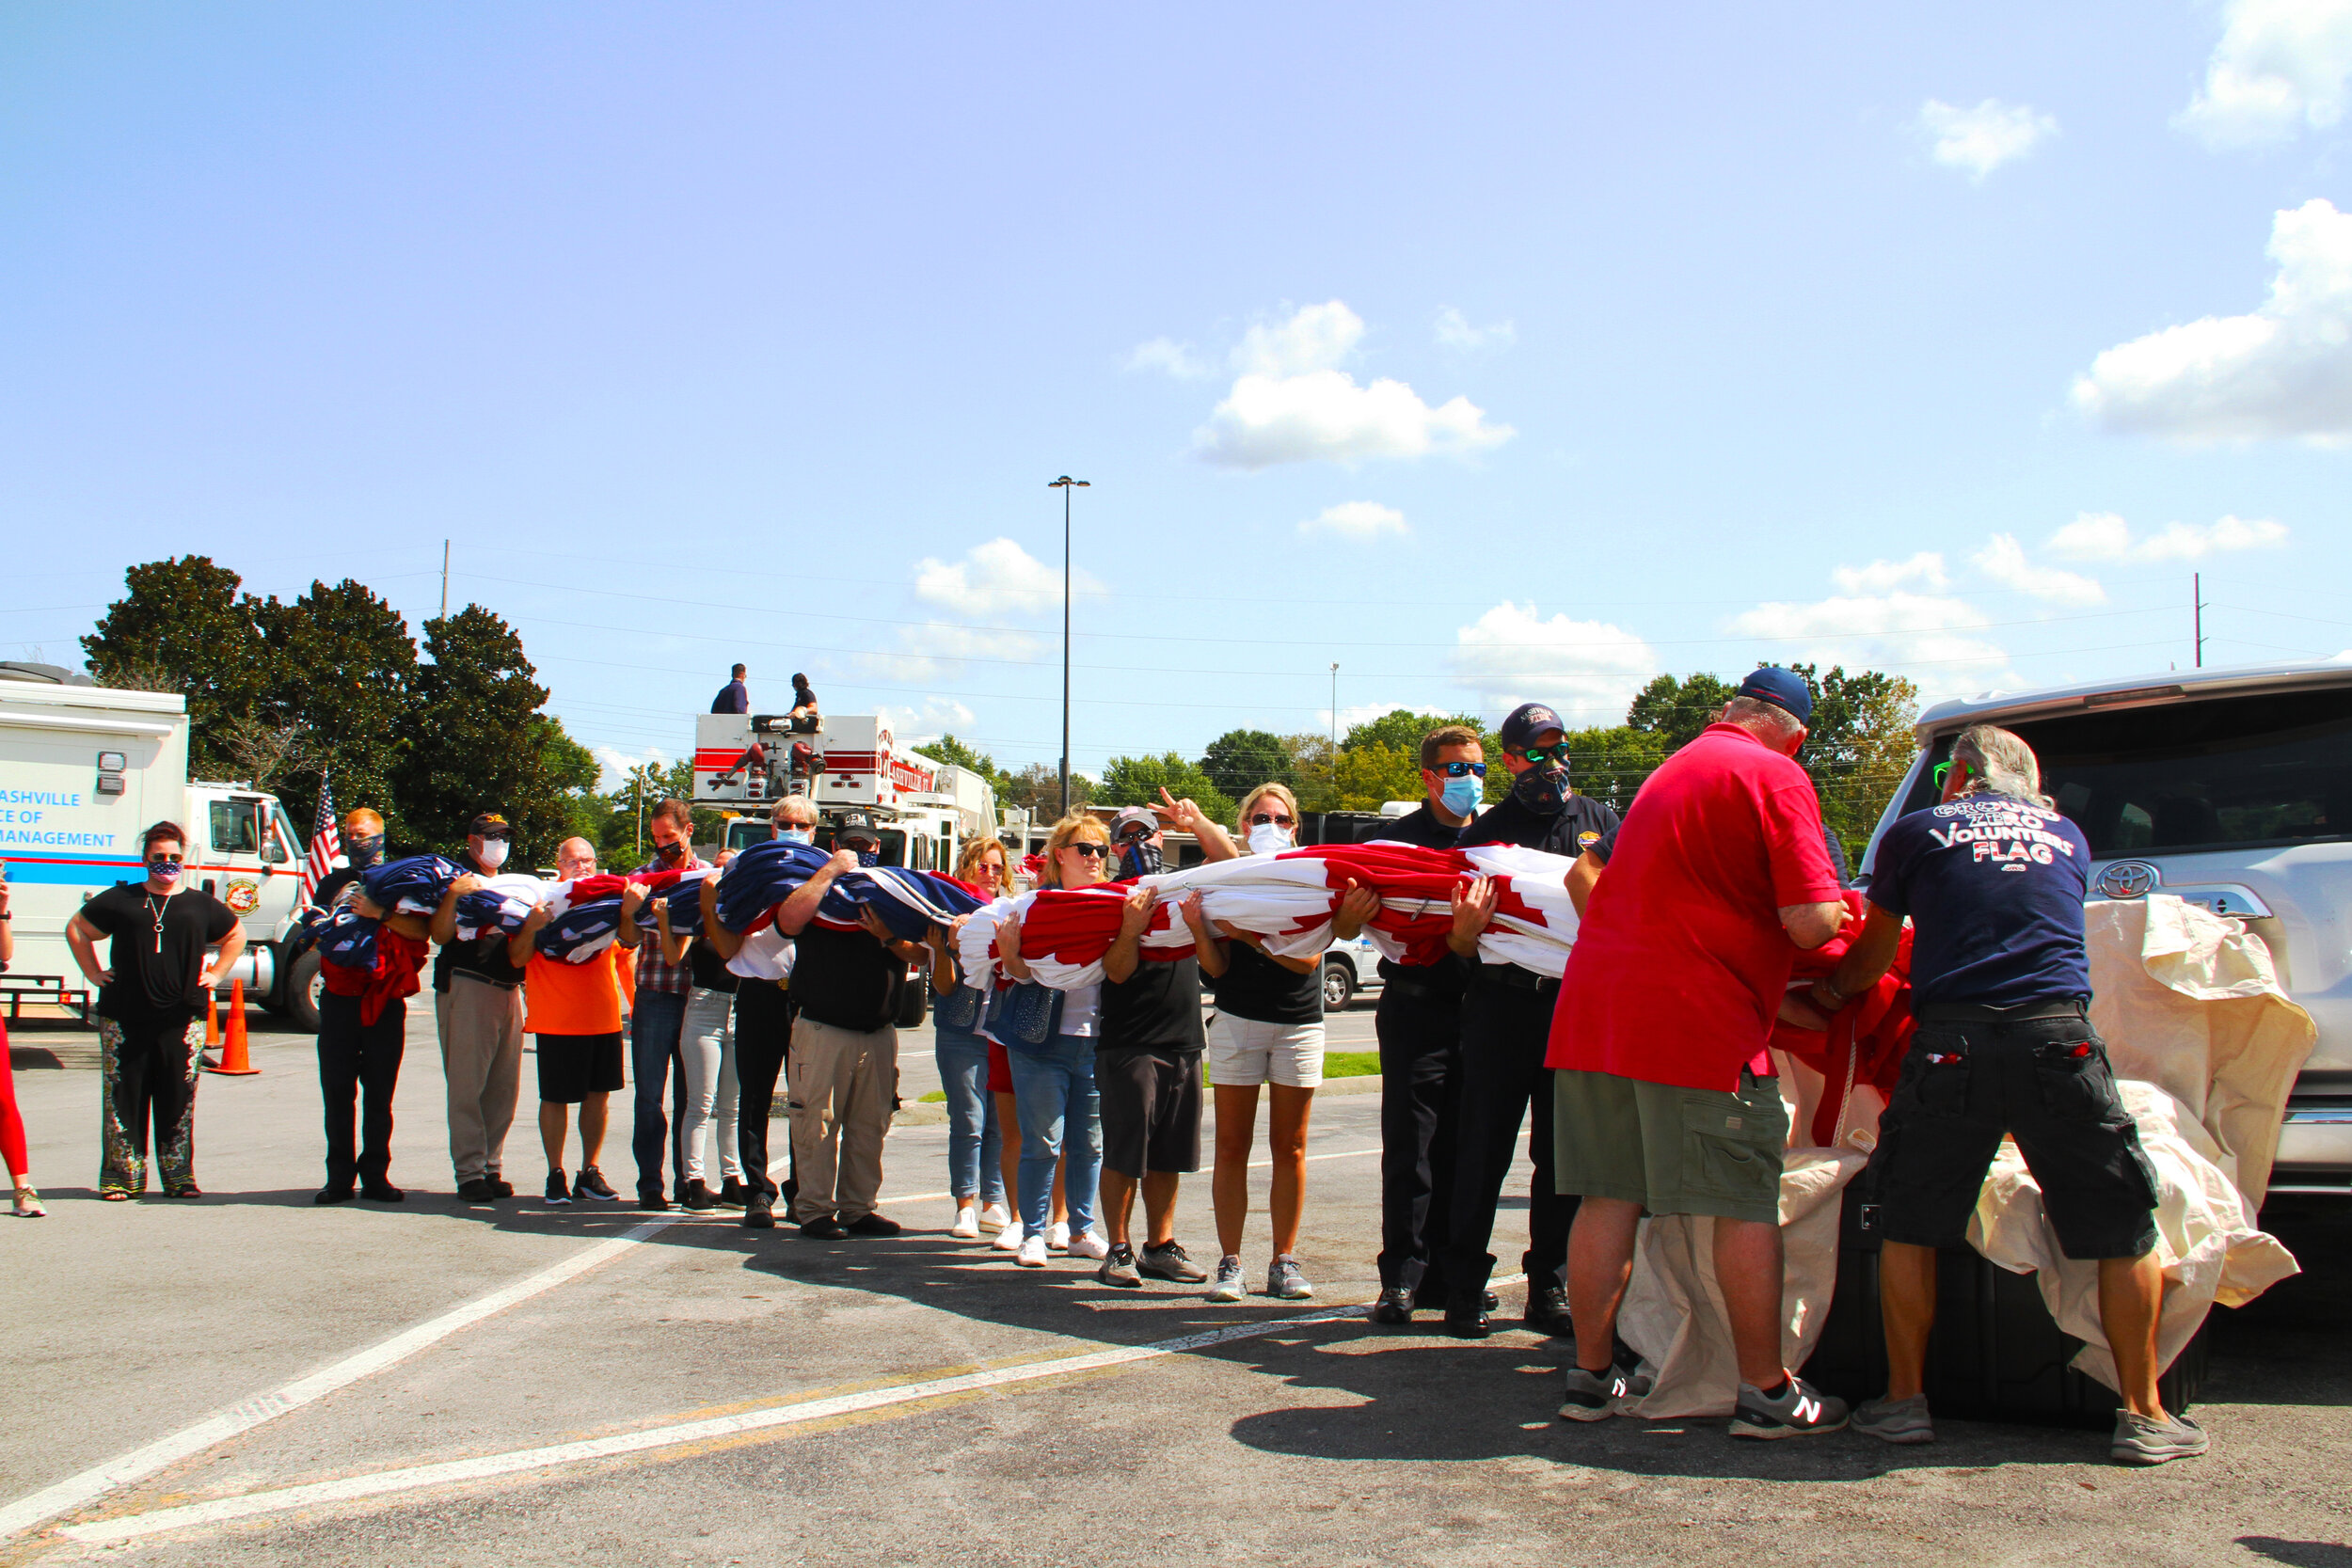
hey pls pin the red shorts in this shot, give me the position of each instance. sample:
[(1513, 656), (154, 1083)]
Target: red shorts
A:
[(999, 1070)]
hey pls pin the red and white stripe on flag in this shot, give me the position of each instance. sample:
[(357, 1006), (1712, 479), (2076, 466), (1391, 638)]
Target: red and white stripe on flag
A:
[(326, 844)]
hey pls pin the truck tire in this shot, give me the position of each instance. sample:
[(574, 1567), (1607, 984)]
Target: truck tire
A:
[(1339, 985), (303, 985), (916, 1004)]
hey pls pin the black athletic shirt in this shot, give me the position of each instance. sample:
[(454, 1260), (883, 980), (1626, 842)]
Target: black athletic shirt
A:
[(846, 978), (485, 956), (155, 975), (1255, 987), (710, 972), (1157, 1008), (1578, 828), (1452, 973)]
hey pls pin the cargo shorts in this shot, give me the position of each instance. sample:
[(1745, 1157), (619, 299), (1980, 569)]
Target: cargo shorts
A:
[(1672, 1150), (2044, 1082)]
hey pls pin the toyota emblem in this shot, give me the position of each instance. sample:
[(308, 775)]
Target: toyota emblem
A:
[(2128, 880)]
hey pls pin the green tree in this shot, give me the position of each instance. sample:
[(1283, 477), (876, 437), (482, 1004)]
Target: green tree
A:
[(1609, 764), (1370, 775), (1037, 789), (1239, 761), (478, 742), (1858, 747), (954, 752), (1137, 781), (1402, 729), (1679, 710), (1314, 771), (182, 626), (344, 671)]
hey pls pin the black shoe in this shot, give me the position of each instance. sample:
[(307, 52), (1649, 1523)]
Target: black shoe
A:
[(825, 1229), (734, 1193), (559, 1190), (1394, 1310), (653, 1203), (382, 1192), (759, 1216), (699, 1199), (874, 1225), (1466, 1321), (332, 1194), (479, 1190), (1548, 1311), (592, 1184), (499, 1188)]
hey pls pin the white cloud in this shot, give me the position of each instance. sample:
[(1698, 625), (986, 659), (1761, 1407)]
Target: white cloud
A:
[(615, 764), (2285, 371), (1981, 140), (2104, 536), (995, 578), (1167, 353), (2003, 560), (1315, 338), (1454, 331), (1926, 569), (1933, 640), (1322, 414), (1358, 520), (2280, 67), (1589, 670), (923, 724)]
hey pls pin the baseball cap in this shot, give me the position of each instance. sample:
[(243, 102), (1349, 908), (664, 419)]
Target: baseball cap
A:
[(1130, 816), (1783, 688), (856, 824), (489, 824), (1527, 721)]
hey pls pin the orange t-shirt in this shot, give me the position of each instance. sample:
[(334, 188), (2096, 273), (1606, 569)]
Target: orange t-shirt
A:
[(559, 998)]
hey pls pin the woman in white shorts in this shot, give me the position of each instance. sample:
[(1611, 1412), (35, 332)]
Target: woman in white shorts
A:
[(1268, 1030)]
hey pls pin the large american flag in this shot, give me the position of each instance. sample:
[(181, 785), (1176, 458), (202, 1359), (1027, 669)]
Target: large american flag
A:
[(326, 844)]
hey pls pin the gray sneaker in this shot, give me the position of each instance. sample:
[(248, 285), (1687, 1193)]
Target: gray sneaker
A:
[(1798, 1410), (1283, 1281), (1592, 1396), (1118, 1268), (2141, 1441), (1894, 1421), (1172, 1262), (1229, 1286)]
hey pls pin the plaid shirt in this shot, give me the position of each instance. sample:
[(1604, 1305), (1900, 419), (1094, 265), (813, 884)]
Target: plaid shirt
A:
[(654, 972)]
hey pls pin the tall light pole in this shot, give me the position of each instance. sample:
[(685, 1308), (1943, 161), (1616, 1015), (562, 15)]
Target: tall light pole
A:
[(1065, 484)]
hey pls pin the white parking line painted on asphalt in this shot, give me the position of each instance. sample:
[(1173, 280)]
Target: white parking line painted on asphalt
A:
[(141, 1463), (133, 1527)]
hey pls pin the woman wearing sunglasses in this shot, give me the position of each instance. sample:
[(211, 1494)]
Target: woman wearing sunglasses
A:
[(1268, 1031), (1052, 1083), (981, 1163)]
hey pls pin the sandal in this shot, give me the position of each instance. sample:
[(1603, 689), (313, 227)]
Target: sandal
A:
[(28, 1204), (114, 1195)]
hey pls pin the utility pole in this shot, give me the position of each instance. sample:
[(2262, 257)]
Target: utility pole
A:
[(1065, 484), (2197, 613), (444, 579), (1335, 708), (637, 837)]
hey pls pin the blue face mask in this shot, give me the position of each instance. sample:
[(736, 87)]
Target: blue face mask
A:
[(363, 852), (1461, 796), (869, 857)]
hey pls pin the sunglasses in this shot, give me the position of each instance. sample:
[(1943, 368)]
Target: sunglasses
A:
[(1091, 851), (163, 864), (1133, 836), (1266, 816), (1461, 769), (1542, 755), (1942, 768)]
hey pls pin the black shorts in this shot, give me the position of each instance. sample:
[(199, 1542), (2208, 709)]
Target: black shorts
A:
[(1150, 1109), (573, 1067), (2044, 1082)]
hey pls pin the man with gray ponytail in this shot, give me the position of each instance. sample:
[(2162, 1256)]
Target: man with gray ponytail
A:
[(1992, 878)]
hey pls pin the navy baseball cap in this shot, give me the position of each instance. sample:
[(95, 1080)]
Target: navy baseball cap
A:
[(1527, 721), (1783, 688)]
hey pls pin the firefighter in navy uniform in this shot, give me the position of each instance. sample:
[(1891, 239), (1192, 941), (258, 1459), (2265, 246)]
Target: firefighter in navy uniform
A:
[(1506, 1025), (1420, 1024)]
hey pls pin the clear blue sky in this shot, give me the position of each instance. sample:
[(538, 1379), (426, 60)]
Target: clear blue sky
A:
[(714, 332)]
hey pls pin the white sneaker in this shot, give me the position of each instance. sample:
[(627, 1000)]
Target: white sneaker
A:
[(1228, 1285), (1032, 1253), (1089, 1244), (995, 1217), (967, 1226), (1058, 1236), (1009, 1239)]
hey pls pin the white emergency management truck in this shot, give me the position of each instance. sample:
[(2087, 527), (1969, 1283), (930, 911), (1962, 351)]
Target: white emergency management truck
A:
[(84, 770), (924, 810)]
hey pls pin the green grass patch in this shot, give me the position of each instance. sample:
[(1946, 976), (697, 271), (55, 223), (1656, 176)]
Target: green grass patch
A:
[(1351, 1064), (937, 1097)]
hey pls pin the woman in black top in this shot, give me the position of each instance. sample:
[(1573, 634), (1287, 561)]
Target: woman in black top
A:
[(1268, 1031)]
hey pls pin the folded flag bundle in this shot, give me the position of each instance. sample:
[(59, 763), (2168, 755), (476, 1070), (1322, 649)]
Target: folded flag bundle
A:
[(587, 912), (909, 902), (503, 903), (683, 898), (413, 884)]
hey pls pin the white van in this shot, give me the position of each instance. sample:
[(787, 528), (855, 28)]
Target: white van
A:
[(2229, 788)]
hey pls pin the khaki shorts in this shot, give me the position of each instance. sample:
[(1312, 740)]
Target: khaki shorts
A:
[(1245, 1051), (1672, 1150)]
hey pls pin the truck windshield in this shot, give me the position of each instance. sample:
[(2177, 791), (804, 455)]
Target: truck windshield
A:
[(2261, 770)]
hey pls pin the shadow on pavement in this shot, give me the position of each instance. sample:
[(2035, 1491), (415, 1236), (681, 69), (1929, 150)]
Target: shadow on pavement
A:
[(2301, 1554)]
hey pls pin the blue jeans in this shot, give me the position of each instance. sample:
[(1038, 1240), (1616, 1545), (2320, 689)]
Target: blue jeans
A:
[(1053, 1089), (653, 1052), (975, 1166)]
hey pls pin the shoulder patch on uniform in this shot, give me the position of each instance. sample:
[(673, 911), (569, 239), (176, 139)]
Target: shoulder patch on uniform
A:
[(1587, 839)]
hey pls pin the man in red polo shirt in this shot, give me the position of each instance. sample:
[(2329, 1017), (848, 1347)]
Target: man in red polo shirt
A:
[(1666, 1101)]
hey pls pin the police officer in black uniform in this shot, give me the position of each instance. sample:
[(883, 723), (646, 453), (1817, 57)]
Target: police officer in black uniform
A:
[(1506, 1025), (1420, 1024)]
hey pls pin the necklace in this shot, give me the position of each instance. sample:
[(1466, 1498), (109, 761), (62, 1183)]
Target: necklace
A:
[(155, 908)]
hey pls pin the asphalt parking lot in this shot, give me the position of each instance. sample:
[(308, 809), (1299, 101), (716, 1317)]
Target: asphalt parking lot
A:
[(248, 1379)]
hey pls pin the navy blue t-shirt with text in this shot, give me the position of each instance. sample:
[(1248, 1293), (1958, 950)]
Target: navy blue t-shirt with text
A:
[(1995, 891)]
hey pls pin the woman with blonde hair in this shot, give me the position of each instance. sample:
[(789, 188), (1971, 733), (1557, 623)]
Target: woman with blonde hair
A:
[(980, 1163), (1054, 1099)]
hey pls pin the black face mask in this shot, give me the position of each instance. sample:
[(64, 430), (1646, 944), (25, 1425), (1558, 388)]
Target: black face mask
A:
[(363, 852), (1140, 858), (1542, 790)]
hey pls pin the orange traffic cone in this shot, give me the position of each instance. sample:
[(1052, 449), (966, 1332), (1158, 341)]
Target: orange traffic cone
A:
[(234, 1060), (211, 1022)]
